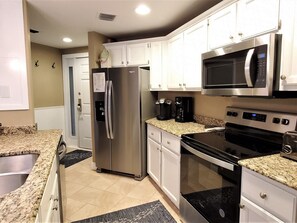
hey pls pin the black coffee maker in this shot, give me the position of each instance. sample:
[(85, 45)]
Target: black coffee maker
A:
[(184, 109), (163, 109)]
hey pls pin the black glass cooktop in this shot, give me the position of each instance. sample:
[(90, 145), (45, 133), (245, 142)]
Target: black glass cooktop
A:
[(236, 142)]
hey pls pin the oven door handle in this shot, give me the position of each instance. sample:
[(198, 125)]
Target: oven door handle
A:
[(208, 158)]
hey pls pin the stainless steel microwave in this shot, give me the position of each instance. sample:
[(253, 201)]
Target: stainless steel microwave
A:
[(248, 68)]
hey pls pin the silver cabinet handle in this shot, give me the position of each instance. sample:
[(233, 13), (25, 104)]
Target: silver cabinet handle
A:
[(247, 64), (263, 195)]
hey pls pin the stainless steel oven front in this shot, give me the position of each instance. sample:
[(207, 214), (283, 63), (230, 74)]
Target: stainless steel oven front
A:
[(210, 186)]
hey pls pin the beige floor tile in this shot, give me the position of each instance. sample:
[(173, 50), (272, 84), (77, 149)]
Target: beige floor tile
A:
[(72, 206), (122, 186), (82, 178), (71, 188), (143, 191), (86, 211), (103, 182)]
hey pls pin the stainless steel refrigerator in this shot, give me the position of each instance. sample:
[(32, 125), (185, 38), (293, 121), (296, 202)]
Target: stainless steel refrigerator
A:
[(122, 103)]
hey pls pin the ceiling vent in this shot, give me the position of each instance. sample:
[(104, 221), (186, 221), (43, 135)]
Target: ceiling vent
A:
[(106, 17)]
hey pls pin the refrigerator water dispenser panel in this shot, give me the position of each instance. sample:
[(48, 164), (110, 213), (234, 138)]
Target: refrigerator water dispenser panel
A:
[(100, 112)]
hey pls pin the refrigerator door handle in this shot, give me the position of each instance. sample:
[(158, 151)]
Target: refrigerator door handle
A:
[(110, 95), (106, 109)]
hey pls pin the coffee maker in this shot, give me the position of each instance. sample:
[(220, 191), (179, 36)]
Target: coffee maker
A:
[(184, 109), (163, 109)]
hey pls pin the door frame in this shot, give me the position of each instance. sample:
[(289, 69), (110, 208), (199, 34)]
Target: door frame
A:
[(72, 141)]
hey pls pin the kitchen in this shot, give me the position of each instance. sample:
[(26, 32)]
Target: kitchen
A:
[(204, 105)]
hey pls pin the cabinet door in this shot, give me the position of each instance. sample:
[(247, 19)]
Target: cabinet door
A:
[(137, 54), (222, 27), (251, 212), (175, 62), (288, 72), (195, 43), (156, 72), (171, 175), (117, 55), (154, 160), (256, 17)]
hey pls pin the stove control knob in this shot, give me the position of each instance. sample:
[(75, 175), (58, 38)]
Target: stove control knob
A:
[(287, 149), (229, 113), (285, 121)]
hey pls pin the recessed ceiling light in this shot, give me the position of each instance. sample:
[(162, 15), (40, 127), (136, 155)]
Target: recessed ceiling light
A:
[(67, 40), (142, 10)]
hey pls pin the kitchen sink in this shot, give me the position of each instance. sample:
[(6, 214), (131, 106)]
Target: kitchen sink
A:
[(17, 163), (11, 182), (14, 171)]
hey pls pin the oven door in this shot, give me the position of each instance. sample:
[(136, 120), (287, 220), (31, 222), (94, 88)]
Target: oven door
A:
[(210, 187)]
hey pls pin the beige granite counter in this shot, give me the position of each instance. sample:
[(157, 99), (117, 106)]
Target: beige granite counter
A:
[(275, 167), (176, 128), (22, 204)]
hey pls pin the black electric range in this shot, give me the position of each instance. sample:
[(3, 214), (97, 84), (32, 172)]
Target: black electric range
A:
[(210, 174)]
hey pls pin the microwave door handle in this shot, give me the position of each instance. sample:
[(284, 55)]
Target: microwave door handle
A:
[(208, 158), (247, 66), (106, 108)]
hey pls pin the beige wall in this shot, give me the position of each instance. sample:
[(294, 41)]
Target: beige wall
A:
[(95, 41), (214, 107), (22, 117), (74, 50), (47, 81)]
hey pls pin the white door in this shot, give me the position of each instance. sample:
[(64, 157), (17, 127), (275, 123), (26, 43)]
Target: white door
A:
[(77, 100), (154, 160), (83, 103)]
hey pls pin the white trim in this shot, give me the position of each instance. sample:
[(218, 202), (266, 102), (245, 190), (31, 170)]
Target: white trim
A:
[(72, 141)]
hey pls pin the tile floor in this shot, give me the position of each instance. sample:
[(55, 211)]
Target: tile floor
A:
[(89, 193)]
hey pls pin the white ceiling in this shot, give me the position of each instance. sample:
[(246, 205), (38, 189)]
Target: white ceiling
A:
[(55, 19)]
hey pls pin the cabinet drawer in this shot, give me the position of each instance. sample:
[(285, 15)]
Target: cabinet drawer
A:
[(171, 142), (154, 133), (270, 197)]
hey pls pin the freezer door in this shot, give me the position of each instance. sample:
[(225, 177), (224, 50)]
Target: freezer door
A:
[(101, 132), (125, 109)]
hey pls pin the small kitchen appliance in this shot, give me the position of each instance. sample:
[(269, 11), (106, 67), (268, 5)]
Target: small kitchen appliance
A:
[(289, 149), (163, 109), (210, 181), (184, 109)]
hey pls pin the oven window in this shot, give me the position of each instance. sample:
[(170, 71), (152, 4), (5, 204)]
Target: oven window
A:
[(212, 190)]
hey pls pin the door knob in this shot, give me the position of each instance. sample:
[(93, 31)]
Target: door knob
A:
[(79, 107)]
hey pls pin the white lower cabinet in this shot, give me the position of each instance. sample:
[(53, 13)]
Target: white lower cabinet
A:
[(49, 210), (163, 154), (265, 200)]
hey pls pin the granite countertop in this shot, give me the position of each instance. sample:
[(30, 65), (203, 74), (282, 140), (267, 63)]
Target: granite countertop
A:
[(21, 205), (176, 128), (278, 168)]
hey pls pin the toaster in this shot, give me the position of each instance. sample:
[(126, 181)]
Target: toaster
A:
[(289, 147)]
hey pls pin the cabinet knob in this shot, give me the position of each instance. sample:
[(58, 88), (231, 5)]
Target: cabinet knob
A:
[(180, 85), (159, 85), (184, 84), (240, 33), (263, 195), (168, 142), (230, 37), (122, 62), (283, 77), (241, 206), (152, 133), (127, 62)]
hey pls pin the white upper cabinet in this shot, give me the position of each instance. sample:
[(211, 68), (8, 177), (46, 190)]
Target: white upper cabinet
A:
[(256, 17), (175, 62), (195, 43), (132, 54), (184, 53), (138, 54), (222, 27), (13, 58), (158, 66), (288, 70)]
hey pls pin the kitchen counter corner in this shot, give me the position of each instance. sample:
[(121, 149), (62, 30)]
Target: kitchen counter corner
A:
[(21, 205)]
